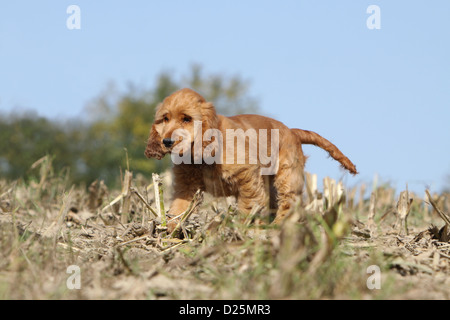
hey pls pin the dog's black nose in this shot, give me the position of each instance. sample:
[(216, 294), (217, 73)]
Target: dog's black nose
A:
[(168, 142)]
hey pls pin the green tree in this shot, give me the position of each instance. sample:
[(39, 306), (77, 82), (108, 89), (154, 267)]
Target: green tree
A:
[(114, 134), (229, 94), (26, 138)]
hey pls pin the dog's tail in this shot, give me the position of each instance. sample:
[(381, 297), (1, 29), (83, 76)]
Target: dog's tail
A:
[(309, 137)]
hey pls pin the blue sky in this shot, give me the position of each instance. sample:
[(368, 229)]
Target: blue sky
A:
[(382, 96)]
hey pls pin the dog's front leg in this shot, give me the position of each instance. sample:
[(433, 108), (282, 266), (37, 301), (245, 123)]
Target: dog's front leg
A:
[(187, 180)]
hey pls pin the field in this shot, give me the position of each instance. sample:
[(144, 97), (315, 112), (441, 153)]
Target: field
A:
[(59, 241)]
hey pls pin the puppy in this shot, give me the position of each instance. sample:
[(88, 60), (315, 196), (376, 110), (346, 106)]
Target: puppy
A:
[(232, 156)]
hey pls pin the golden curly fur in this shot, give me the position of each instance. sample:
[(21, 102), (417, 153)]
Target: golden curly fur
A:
[(241, 180)]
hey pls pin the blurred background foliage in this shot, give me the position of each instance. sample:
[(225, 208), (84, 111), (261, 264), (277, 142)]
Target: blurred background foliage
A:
[(112, 134)]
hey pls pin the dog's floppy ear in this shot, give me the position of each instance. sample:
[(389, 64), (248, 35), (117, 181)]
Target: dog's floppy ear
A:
[(154, 147), (213, 140)]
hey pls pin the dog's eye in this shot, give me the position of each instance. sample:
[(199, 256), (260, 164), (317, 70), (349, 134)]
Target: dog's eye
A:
[(165, 119), (187, 119)]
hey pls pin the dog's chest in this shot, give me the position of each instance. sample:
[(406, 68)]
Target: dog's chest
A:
[(217, 182)]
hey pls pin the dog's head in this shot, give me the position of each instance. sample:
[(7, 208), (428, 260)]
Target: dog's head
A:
[(175, 122)]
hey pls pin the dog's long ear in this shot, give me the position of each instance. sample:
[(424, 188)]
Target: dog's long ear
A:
[(210, 120), (154, 147)]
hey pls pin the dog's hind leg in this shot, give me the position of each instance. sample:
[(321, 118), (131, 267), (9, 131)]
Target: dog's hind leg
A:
[(288, 182)]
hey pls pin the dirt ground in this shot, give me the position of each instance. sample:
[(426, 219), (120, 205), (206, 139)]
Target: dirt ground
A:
[(71, 243)]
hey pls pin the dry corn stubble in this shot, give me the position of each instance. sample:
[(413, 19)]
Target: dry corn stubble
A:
[(321, 251)]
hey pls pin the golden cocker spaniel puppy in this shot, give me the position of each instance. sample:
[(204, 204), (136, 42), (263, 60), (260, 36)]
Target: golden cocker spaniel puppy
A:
[(232, 156)]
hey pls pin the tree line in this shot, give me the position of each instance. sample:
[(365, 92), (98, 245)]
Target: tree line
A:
[(112, 135)]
